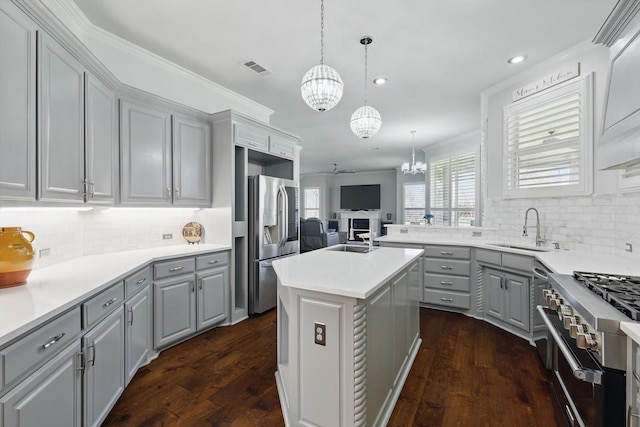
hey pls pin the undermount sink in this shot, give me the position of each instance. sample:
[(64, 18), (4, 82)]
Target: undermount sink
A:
[(520, 247), (351, 248)]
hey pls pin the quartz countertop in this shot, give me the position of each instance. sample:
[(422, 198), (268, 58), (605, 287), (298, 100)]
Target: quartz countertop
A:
[(349, 274), (53, 290), (632, 329), (560, 261)]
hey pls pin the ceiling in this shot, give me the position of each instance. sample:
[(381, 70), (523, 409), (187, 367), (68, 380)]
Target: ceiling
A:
[(437, 55)]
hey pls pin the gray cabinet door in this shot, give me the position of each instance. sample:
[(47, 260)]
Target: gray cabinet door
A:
[(517, 301), (137, 332), (174, 313), (494, 294), (17, 104), (191, 162), (60, 123), (49, 397), (101, 142), (401, 330), (212, 297), (145, 169), (104, 372)]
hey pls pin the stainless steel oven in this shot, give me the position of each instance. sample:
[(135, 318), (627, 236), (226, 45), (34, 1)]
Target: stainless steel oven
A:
[(586, 355)]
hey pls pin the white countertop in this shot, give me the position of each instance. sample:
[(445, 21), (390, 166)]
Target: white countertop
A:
[(349, 274), (632, 329), (52, 290), (560, 261)]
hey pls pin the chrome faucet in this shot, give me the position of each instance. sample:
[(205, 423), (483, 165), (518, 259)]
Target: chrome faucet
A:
[(367, 216), (539, 240)]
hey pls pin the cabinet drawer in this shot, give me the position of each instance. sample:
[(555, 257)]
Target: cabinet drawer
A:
[(488, 257), (212, 260), (447, 252), (447, 266), (281, 147), (251, 137), (174, 268), (137, 281), (102, 304), (449, 283), (517, 262), (40, 345), (449, 299)]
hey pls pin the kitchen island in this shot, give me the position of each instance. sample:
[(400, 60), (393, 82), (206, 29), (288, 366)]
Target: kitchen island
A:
[(348, 332)]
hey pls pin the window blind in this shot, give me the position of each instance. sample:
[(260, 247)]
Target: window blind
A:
[(312, 202), (414, 201), (453, 190)]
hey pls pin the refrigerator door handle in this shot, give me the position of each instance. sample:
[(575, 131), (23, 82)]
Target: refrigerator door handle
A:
[(285, 210), (281, 216)]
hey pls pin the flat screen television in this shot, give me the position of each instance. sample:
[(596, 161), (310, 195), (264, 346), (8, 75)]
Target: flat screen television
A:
[(360, 197)]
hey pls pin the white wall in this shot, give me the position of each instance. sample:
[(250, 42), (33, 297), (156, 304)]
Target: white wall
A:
[(601, 223)]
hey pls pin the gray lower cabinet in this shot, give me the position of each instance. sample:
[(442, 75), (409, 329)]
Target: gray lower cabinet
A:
[(506, 298), (212, 297), (137, 332), (174, 313), (51, 396), (447, 282), (103, 348), (17, 104)]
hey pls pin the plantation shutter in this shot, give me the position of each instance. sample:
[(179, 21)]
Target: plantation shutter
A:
[(414, 201), (453, 190)]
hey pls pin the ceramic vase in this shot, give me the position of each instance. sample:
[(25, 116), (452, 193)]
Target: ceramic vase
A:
[(16, 256)]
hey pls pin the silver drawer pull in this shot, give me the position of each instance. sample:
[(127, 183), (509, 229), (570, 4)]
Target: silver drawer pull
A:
[(446, 299), (54, 340), (171, 270), (111, 301), (447, 283), (446, 253), (446, 267), (214, 261), (144, 279)]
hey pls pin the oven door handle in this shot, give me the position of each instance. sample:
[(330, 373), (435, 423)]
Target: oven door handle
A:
[(587, 375)]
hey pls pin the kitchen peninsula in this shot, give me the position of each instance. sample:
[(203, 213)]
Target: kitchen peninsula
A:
[(348, 332)]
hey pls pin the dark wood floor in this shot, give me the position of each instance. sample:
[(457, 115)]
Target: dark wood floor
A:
[(467, 373)]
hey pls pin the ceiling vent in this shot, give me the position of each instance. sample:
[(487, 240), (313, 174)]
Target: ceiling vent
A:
[(254, 66)]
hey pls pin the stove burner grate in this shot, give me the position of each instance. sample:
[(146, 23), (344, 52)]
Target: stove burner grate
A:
[(623, 292)]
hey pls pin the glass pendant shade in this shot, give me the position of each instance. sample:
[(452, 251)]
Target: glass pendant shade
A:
[(366, 121), (322, 87)]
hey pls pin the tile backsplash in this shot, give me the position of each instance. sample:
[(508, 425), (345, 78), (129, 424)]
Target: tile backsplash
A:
[(70, 233)]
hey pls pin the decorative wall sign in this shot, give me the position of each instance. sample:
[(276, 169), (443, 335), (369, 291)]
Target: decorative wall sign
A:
[(558, 77)]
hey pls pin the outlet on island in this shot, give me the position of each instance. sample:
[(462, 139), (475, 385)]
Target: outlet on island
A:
[(167, 236)]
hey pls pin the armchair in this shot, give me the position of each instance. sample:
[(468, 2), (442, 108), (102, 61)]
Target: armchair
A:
[(313, 235)]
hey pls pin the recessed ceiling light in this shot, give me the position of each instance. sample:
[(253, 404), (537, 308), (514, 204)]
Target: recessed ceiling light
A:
[(517, 59), (380, 80)]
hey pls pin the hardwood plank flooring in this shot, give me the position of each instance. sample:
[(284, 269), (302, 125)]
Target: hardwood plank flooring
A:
[(466, 373)]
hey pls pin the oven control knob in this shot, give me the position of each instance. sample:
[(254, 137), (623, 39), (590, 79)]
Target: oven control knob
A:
[(568, 321), (547, 294), (576, 328), (554, 303), (585, 341)]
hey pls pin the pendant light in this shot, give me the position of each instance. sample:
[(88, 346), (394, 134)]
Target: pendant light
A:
[(414, 168), (366, 120), (322, 85)]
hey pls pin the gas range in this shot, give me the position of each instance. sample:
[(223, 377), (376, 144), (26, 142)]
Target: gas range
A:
[(623, 292)]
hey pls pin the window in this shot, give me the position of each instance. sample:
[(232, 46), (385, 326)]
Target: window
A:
[(548, 143), (414, 201), (311, 202), (453, 190)]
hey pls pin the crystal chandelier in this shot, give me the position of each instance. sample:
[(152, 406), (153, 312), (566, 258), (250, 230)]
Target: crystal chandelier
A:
[(414, 168), (322, 85), (366, 120)]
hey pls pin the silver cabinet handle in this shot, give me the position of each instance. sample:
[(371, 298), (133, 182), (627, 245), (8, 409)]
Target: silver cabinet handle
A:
[(168, 193), (446, 299), (214, 261), (54, 340), (447, 283), (80, 362), (200, 284), (131, 311), (171, 270), (141, 281), (192, 286), (446, 253), (111, 301), (446, 267), (92, 186), (93, 347)]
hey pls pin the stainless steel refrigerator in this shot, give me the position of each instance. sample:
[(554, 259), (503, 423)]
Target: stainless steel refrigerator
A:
[(273, 233)]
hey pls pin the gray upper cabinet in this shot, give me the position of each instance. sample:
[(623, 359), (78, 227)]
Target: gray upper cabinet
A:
[(191, 162), (61, 123), (17, 104), (282, 147), (251, 136), (101, 143), (145, 163)]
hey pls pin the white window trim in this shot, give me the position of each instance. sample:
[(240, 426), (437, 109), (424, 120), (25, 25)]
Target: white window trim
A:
[(476, 151), (585, 187)]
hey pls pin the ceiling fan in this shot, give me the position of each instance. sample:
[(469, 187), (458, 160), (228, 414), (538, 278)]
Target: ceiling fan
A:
[(337, 171)]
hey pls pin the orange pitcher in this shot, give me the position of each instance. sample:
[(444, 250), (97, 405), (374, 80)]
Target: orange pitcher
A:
[(16, 256)]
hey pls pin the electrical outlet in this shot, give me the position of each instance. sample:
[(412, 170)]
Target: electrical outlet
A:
[(404, 231), (319, 331), (167, 236), (476, 234), (44, 252), (628, 247)]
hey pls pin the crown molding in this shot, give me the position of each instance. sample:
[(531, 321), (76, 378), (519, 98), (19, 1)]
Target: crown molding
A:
[(76, 17), (617, 22)]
